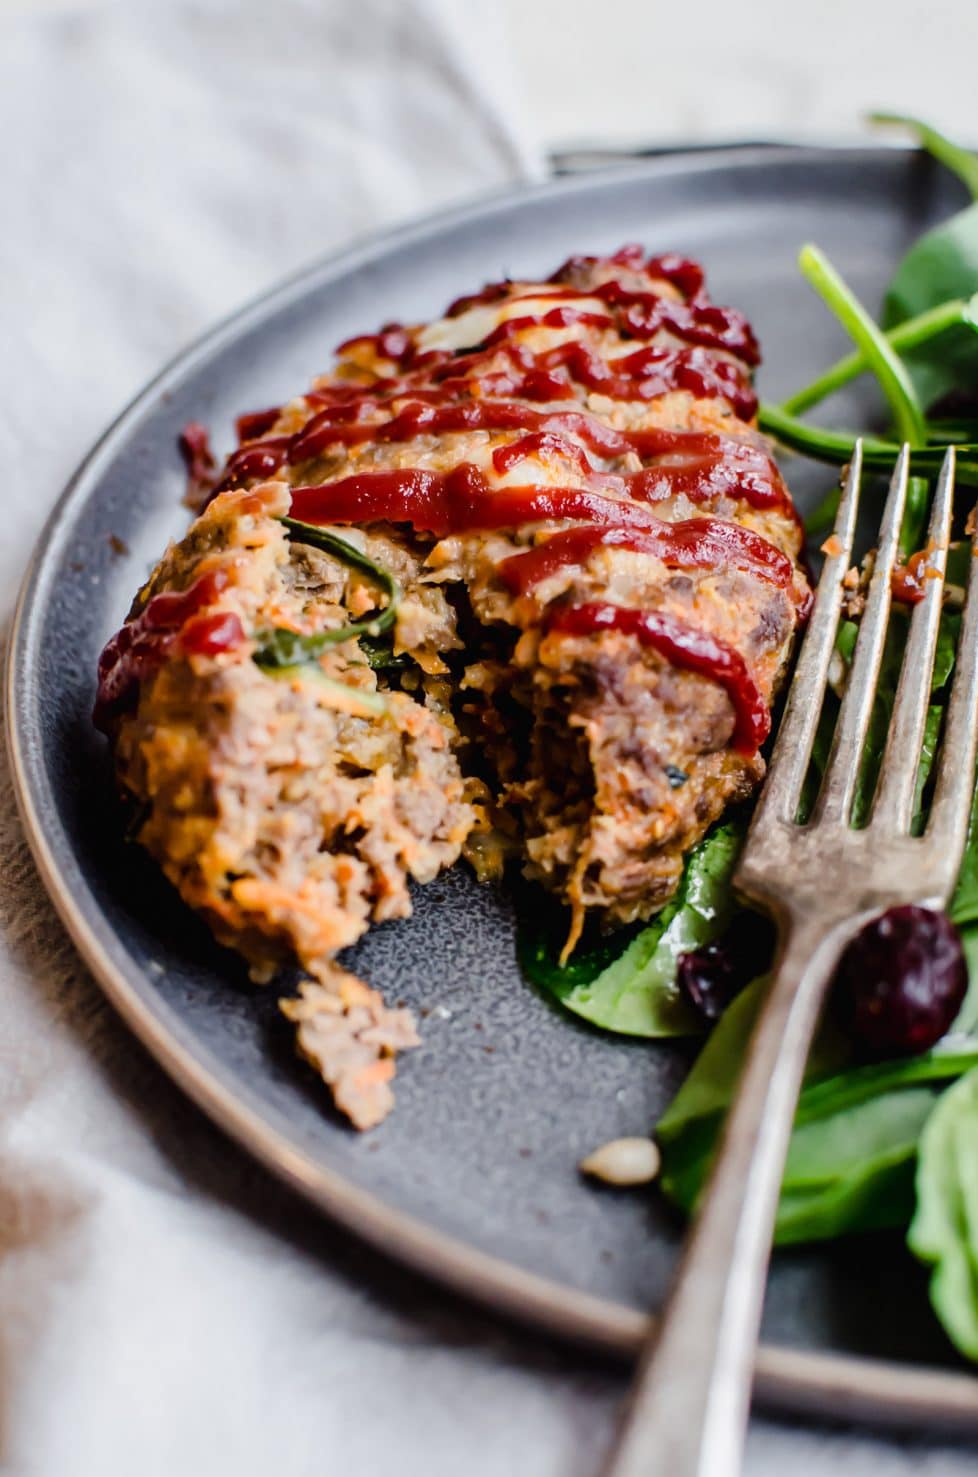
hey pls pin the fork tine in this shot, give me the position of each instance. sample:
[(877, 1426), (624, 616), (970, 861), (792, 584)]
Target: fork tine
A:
[(951, 810), (893, 805), (842, 771), (789, 762)]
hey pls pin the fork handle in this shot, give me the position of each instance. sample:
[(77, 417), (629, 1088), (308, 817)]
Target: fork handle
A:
[(687, 1414)]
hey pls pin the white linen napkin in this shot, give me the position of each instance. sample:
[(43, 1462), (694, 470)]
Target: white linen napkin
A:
[(164, 1307)]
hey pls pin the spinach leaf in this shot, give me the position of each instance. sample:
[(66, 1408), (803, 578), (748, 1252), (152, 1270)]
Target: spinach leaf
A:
[(280, 648), (851, 1161), (878, 352), (380, 654), (966, 1021), (634, 991), (941, 265), (963, 911), (963, 907), (709, 1088), (944, 1230), (903, 337), (961, 162), (879, 455)]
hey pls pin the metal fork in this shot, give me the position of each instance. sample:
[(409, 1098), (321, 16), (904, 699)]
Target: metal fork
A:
[(822, 881)]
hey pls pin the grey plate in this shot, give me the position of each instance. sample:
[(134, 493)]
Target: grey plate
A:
[(473, 1178)]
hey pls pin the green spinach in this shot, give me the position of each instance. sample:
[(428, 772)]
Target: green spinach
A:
[(633, 990), (282, 649), (944, 1229), (851, 1162), (940, 266)]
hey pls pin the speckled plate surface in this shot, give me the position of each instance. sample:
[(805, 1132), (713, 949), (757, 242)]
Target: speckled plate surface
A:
[(473, 1178)]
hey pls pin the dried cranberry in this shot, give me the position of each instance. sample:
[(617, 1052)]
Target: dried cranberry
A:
[(901, 981), (710, 977)]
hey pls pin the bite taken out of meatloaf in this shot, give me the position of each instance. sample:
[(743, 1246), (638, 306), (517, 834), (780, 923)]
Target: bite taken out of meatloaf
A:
[(522, 581)]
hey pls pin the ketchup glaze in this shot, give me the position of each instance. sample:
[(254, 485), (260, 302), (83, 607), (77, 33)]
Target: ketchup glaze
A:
[(141, 646), (682, 342), (685, 647), (694, 543)]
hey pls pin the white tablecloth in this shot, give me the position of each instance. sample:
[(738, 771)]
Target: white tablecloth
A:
[(165, 1308)]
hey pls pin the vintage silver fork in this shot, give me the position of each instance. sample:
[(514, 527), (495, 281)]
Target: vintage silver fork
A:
[(822, 881)]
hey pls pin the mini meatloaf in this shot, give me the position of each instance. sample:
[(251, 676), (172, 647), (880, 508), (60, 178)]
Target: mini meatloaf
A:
[(522, 581)]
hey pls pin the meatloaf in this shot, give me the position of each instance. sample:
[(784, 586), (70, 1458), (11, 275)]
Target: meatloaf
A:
[(520, 582)]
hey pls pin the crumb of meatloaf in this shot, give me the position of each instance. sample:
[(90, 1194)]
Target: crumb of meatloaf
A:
[(351, 1037)]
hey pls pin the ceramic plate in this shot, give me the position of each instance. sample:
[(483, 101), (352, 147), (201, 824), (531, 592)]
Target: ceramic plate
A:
[(473, 1178)]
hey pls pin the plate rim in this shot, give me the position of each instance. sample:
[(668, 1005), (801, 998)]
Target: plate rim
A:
[(786, 1378)]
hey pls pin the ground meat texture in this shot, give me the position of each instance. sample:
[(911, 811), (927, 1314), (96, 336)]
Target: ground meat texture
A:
[(294, 807), (287, 814)]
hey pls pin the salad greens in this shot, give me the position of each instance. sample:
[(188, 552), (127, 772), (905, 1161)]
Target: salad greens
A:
[(944, 1229), (854, 1147), (635, 991), (893, 1144), (941, 266), (879, 454), (910, 334), (878, 353), (929, 327), (890, 371)]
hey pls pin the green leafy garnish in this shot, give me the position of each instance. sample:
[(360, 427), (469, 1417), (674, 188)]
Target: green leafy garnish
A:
[(926, 348), (944, 1230), (940, 266), (912, 334), (961, 162), (380, 654), (280, 648), (879, 455), (876, 349), (851, 1162), (634, 990)]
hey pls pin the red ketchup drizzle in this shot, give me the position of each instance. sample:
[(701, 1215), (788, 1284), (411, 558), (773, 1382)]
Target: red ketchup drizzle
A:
[(643, 375), (209, 635), (553, 318), (142, 644), (256, 422), (462, 500), (442, 392), (541, 443), (255, 459), (685, 275), (685, 647), (639, 315), (550, 374), (695, 543), (700, 465), (392, 342), (195, 448), (459, 501), (907, 581)]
